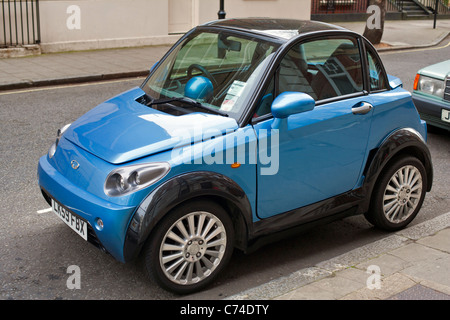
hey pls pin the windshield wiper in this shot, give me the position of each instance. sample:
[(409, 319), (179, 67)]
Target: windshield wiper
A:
[(188, 101)]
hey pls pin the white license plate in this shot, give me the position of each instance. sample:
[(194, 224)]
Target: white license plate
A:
[(445, 115), (75, 223)]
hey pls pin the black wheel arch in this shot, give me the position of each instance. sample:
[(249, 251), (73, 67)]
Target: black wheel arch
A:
[(180, 189), (402, 142)]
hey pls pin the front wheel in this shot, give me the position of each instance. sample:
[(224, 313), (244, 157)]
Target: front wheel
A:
[(190, 247), (398, 195)]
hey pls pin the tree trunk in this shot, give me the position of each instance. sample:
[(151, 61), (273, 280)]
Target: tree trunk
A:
[(375, 23)]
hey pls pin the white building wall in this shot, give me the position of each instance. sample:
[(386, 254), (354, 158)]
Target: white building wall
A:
[(96, 24)]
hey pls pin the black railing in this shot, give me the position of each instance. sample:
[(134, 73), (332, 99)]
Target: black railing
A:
[(20, 23), (443, 6), (338, 6), (360, 6)]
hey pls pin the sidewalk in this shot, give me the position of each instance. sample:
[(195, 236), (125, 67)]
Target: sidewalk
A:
[(412, 264), (74, 67)]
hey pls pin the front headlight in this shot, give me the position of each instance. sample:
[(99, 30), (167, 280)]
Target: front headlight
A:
[(128, 179), (59, 133), (430, 85)]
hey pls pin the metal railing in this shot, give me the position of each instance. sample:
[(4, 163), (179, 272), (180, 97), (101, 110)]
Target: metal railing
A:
[(338, 6), (360, 6), (443, 6), (20, 23)]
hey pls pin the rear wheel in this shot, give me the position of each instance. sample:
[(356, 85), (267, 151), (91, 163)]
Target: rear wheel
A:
[(398, 194), (190, 247)]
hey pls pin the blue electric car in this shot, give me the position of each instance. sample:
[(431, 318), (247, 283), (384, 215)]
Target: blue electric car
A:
[(247, 129)]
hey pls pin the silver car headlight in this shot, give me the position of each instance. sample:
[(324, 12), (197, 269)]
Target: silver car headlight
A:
[(129, 179), (52, 150), (431, 86)]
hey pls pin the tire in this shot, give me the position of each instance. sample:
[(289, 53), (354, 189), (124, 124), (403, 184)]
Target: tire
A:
[(398, 194), (190, 247)]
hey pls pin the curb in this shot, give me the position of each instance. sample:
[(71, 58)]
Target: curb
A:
[(72, 80), (328, 268), (422, 46)]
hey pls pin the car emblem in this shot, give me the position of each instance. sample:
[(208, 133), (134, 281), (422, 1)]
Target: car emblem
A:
[(75, 165)]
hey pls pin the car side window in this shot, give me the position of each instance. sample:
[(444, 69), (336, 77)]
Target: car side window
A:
[(335, 64), (377, 78), (323, 68)]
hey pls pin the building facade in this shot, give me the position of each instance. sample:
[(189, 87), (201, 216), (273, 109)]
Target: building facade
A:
[(95, 24)]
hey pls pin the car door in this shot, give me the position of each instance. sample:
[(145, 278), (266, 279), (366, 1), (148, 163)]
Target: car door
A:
[(320, 153)]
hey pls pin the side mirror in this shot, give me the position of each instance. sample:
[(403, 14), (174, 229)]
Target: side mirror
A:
[(288, 103), (394, 82)]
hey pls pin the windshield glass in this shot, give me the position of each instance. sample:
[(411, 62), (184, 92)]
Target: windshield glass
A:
[(218, 69)]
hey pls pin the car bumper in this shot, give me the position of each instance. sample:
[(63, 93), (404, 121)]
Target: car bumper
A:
[(430, 110), (88, 207)]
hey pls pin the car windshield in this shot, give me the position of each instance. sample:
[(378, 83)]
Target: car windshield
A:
[(218, 71)]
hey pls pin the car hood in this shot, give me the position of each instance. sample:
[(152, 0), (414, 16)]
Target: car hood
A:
[(438, 71), (121, 129)]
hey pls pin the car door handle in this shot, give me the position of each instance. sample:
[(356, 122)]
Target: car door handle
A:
[(362, 108)]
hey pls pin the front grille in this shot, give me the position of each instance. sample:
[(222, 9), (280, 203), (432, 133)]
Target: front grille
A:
[(447, 89), (92, 238)]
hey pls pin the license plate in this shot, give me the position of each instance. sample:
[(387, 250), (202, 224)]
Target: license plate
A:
[(74, 222), (445, 115)]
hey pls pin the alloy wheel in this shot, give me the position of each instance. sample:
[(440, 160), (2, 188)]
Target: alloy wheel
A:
[(402, 194), (192, 248)]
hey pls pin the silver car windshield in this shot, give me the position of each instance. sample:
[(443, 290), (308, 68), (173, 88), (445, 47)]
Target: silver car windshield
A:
[(218, 70)]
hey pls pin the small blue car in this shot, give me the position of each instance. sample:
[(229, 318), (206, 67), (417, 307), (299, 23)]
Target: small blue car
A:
[(245, 131)]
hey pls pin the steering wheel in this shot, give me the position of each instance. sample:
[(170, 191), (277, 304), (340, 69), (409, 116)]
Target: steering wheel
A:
[(205, 72)]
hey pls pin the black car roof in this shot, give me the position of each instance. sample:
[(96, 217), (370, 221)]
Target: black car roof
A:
[(283, 29)]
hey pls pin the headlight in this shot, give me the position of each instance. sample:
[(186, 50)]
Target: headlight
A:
[(132, 178), (429, 85), (59, 133)]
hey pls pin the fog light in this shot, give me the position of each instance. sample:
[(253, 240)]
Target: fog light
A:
[(99, 224)]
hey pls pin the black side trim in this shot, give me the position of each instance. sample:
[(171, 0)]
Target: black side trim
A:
[(299, 220), (183, 188), (403, 141)]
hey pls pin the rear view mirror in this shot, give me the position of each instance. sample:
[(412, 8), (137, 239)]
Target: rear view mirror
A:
[(224, 45)]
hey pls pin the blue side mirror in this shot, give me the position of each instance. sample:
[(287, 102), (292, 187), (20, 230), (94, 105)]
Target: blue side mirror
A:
[(199, 88), (288, 103)]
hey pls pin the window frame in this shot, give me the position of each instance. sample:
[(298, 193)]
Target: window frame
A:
[(369, 48), (275, 68)]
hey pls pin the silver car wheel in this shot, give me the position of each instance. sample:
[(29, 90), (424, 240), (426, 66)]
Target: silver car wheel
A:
[(402, 194), (192, 248)]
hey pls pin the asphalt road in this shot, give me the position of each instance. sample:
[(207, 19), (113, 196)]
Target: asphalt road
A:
[(36, 248)]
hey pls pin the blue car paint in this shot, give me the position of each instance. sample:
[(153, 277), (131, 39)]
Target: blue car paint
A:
[(394, 110), (89, 207), (81, 190), (96, 130), (321, 155), (335, 172), (289, 103), (327, 140)]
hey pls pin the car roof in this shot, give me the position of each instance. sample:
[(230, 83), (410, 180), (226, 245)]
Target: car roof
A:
[(282, 29)]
